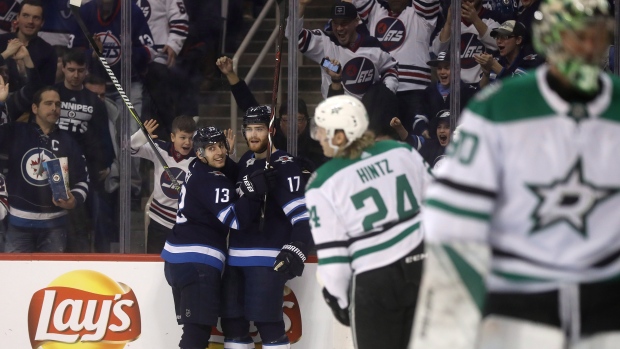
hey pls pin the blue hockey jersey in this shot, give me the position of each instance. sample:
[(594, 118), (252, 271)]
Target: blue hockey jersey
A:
[(286, 216), (30, 196), (208, 209), (109, 32)]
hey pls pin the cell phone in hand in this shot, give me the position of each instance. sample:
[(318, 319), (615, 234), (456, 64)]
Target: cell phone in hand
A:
[(328, 64)]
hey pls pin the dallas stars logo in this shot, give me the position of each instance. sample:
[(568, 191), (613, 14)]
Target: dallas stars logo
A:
[(568, 200), (336, 110)]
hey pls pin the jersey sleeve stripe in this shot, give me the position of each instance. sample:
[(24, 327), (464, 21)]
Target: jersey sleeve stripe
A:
[(335, 259), (456, 210), (365, 9), (293, 205), (304, 216), (332, 244), (223, 214), (467, 189), (304, 40)]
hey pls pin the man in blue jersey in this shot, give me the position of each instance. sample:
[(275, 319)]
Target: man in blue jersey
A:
[(195, 251), (272, 250)]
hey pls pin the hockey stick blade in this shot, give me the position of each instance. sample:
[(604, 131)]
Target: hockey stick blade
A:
[(75, 10)]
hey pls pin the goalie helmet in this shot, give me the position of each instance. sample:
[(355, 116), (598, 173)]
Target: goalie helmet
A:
[(556, 17), (344, 113), (205, 136)]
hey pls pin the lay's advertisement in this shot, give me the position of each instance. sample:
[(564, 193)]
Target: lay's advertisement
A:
[(73, 304)]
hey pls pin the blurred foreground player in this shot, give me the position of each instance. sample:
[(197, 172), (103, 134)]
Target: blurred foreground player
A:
[(195, 251), (534, 173), (365, 216)]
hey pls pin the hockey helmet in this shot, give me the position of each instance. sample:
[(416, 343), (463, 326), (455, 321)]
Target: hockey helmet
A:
[(205, 136), (344, 113), (557, 16)]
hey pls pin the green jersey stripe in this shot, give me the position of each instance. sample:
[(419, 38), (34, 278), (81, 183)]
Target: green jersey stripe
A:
[(457, 211), (332, 260), (387, 244)]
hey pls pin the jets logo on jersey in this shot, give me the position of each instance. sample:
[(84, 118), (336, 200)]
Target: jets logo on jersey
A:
[(145, 7), (568, 200), (9, 12), (470, 46), (358, 74), (166, 184), (391, 32), (111, 47), (250, 162), (285, 159), (32, 166), (218, 173)]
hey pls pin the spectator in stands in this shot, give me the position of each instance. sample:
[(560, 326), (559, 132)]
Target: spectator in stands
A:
[(525, 15), (103, 19), (364, 62), (437, 97), (168, 22), (37, 223), (84, 116), (433, 149), (476, 25), (29, 22), (178, 154), (105, 202), (308, 149), (511, 37), (19, 103), (56, 29), (404, 30)]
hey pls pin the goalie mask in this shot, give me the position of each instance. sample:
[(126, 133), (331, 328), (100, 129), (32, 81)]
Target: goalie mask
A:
[(208, 135), (256, 115), (557, 18), (344, 113)]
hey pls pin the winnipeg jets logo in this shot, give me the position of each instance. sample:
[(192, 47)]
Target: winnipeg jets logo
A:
[(217, 173), (166, 184), (111, 47), (284, 159), (391, 32), (358, 74), (568, 200), (32, 166), (250, 162)]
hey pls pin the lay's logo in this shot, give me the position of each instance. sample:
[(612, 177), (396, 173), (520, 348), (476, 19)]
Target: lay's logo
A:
[(83, 308)]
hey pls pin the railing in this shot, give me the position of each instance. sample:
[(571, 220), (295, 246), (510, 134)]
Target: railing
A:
[(259, 59)]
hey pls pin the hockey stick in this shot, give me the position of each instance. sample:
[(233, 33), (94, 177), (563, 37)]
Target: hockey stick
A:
[(75, 10), (274, 96)]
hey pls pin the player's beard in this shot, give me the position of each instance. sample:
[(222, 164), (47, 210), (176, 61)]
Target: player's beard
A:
[(259, 148)]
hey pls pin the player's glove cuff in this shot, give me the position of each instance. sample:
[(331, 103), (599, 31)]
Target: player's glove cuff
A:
[(290, 260), (342, 315), (257, 184)]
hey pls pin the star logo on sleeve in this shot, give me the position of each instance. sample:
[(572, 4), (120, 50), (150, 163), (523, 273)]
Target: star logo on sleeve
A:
[(336, 110), (568, 200), (217, 173), (285, 159)]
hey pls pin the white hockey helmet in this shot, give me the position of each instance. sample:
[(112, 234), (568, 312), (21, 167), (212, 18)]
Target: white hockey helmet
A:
[(344, 113)]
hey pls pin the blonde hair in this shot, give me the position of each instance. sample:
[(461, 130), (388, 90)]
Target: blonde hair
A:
[(355, 149)]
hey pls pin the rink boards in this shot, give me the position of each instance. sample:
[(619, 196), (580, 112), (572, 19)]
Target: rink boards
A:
[(123, 301)]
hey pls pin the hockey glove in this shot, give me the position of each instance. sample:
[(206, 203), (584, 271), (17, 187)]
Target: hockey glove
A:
[(290, 260), (257, 184), (342, 315)]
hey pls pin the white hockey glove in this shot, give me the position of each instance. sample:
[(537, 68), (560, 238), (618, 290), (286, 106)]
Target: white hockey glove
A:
[(290, 260)]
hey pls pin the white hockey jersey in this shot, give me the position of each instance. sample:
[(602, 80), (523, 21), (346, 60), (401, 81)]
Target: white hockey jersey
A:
[(538, 179), (473, 44), (362, 66), (405, 36), (164, 206), (364, 213), (168, 22)]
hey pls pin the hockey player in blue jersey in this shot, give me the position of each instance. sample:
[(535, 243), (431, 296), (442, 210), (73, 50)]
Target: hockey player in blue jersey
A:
[(262, 260), (195, 251)]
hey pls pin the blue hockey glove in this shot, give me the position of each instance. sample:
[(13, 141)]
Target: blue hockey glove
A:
[(290, 260), (342, 315), (257, 184)]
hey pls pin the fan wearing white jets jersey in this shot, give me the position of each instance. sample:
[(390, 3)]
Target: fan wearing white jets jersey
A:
[(534, 173), (364, 61), (364, 207), (404, 29)]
